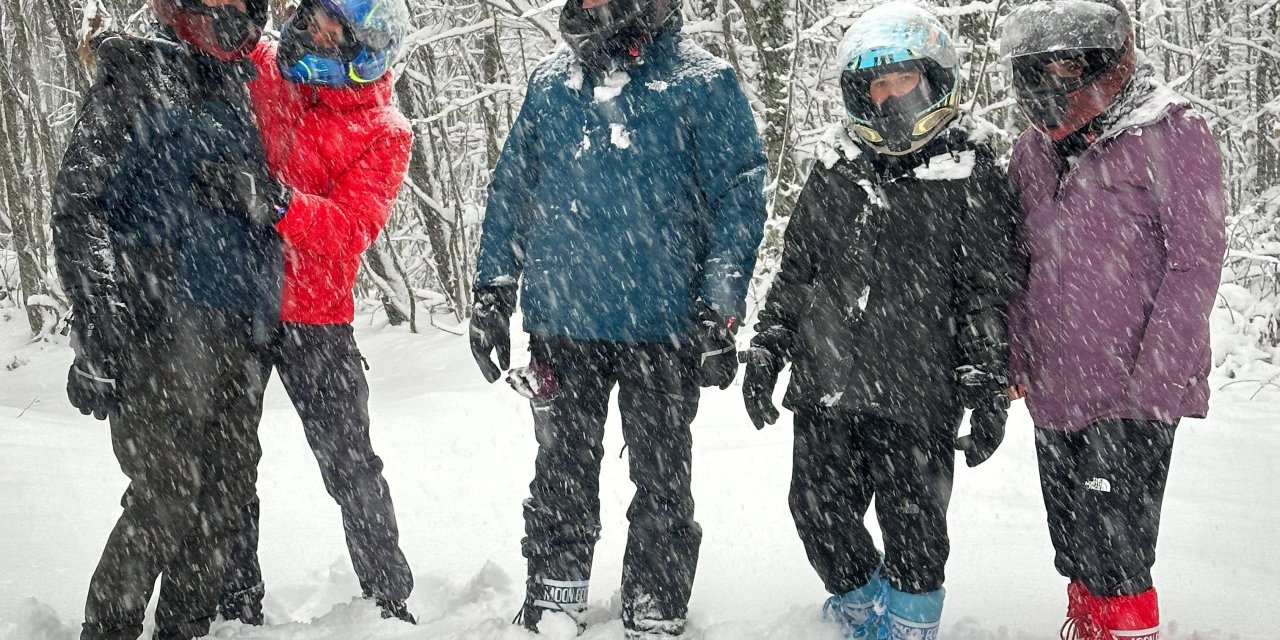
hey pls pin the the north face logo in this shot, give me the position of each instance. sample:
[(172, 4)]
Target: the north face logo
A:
[(1101, 485)]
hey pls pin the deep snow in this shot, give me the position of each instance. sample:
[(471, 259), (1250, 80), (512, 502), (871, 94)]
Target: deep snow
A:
[(459, 455)]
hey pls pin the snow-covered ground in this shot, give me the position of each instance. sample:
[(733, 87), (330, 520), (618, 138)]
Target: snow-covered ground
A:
[(459, 455)]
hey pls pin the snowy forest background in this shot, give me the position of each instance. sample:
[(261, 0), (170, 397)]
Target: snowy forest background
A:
[(462, 80)]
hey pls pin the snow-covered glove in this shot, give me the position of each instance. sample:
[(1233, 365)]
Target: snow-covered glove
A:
[(91, 384), (534, 381), (718, 353), (491, 328), (986, 429), (241, 188), (765, 360)]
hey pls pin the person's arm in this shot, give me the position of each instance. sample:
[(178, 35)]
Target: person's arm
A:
[(1187, 185), (342, 223), (792, 290), (730, 164), (500, 260), (1020, 275), (983, 279), (81, 234)]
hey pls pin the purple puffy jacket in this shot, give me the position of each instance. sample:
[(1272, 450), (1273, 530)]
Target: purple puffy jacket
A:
[(1122, 260)]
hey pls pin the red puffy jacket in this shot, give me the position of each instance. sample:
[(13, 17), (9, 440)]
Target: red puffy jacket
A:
[(344, 152)]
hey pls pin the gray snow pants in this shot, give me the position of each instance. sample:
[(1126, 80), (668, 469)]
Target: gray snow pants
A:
[(322, 370), (658, 398), (186, 436)]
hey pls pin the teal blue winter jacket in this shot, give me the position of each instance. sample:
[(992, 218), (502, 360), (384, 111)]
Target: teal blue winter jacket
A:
[(621, 201)]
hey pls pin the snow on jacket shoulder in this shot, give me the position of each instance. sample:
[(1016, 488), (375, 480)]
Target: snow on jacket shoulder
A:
[(1121, 260), (622, 200), (890, 281), (344, 152)]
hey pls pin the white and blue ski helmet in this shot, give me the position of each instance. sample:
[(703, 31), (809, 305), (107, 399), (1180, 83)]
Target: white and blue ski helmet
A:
[(899, 37)]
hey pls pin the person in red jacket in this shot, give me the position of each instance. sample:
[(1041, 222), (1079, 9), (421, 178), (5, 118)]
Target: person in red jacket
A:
[(339, 149)]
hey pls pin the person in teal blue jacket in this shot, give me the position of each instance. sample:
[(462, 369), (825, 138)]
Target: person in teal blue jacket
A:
[(627, 206)]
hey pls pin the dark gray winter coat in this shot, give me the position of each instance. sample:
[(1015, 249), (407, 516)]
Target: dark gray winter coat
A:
[(893, 275), (131, 237)]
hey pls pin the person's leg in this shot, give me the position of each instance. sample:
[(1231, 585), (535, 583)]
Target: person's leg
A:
[(913, 466), (242, 586), (1126, 469), (562, 513), (658, 399), (322, 370), (229, 453), (1060, 459), (830, 492), (154, 440)]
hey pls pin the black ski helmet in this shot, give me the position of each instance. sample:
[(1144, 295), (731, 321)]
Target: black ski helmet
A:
[(616, 31), (1094, 37)]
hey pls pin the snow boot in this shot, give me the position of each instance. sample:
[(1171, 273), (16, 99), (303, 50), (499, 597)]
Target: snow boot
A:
[(911, 616), (855, 611), (562, 597), (395, 609), (1080, 624), (1135, 617)]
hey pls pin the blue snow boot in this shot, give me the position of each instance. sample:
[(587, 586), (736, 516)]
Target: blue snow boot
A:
[(856, 611), (911, 616)]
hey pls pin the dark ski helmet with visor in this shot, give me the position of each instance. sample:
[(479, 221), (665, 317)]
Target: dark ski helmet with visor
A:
[(615, 32), (373, 31), (892, 38), (224, 32), (1070, 60)]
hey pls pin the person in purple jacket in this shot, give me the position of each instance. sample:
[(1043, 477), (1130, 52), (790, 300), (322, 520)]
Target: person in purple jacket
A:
[(1119, 251)]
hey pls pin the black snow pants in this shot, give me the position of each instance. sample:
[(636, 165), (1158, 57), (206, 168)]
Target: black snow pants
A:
[(186, 436), (658, 398), (322, 371), (841, 461), (1103, 488)]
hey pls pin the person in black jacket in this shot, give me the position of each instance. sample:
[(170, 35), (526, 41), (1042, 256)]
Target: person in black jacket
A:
[(173, 281), (890, 306)]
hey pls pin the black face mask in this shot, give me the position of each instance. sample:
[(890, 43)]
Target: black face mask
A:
[(231, 26)]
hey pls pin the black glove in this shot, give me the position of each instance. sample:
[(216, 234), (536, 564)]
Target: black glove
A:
[(985, 393), (718, 354), (765, 360), (91, 384), (491, 328), (986, 431), (243, 188)]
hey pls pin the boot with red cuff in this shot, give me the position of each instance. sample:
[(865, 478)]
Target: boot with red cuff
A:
[(1080, 624), (1134, 617)]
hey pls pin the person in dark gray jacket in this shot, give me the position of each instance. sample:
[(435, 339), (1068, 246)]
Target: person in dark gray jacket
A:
[(174, 283), (890, 307)]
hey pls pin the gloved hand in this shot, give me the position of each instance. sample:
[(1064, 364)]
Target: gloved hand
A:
[(91, 384), (985, 393), (243, 188), (986, 430), (765, 360), (534, 381), (491, 328), (718, 360)]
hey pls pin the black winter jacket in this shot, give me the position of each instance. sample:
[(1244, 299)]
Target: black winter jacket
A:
[(893, 276), (131, 237)]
